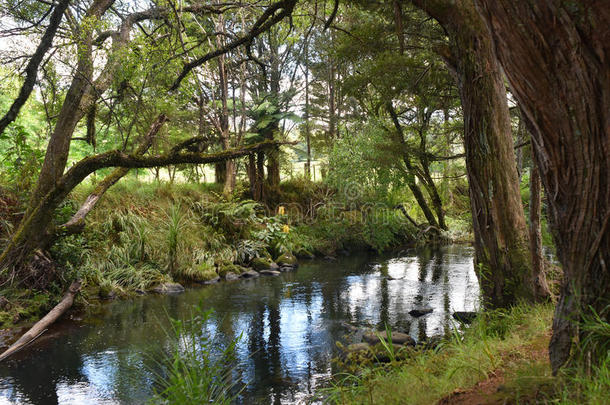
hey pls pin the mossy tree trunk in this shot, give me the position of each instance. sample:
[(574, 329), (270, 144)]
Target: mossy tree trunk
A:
[(556, 56), (502, 253)]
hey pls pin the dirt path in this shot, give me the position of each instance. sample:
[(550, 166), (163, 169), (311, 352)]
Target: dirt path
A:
[(491, 391)]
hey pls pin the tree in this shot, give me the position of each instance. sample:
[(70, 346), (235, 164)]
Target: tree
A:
[(36, 231), (501, 237), (555, 55)]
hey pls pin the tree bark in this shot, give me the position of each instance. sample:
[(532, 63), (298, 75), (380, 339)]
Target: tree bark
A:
[(58, 147), (501, 239), (556, 56)]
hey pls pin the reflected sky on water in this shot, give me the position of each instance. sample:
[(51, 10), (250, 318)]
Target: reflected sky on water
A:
[(289, 325)]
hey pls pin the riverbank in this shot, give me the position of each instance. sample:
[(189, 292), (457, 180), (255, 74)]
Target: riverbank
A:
[(286, 326), (502, 358), (148, 236)]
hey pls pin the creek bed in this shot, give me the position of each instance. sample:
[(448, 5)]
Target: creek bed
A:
[(289, 325)]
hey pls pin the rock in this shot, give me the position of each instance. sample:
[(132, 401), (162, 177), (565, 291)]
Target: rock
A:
[(250, 274), (168, 288), (284, 269), (141, 292), (206, 274), (350, 327), (211, 281), (464, 316), (417, 312), (274, 266), (357, 347), (287, 259), (269, 273), (229, 268), (108, 294), (330, 258), (261, 263), (230, 276), (432, 342), (382, 355), (397, 337)]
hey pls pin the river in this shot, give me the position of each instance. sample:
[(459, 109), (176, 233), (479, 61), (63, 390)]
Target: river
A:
[(289, 326)]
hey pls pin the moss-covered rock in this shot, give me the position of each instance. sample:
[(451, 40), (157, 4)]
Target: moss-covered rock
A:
[(287, 259), (261, 263), (230, 268)]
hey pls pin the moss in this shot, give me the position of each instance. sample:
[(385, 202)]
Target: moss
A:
[(260, 263), (229, 268), (287, 259)]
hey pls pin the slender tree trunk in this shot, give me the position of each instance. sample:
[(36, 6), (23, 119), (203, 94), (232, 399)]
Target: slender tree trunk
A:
[(501, 239), (538, 270), (307, 129), (556, 57), (417, 193)]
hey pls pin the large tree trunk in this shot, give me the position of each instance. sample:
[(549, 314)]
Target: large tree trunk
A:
[(58, 147), (556, 56), (501, 239)]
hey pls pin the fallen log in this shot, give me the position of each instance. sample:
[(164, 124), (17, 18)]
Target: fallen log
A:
[(42, 325)]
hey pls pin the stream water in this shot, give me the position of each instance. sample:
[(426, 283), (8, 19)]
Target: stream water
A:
[(289, 325)]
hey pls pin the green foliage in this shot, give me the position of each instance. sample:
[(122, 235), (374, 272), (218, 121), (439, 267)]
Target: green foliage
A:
[(196, 372)]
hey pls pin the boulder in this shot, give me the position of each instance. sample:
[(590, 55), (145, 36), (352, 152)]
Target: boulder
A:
[(168, 288), (397, 337), (261, 263), (464, 316), (250, 274), (417, 312), (269, 273), (230, 276), (287, 259), (274, 266), (284, 269)]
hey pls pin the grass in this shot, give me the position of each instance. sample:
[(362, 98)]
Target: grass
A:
[(501, 358), (461, 361), (198, 370)]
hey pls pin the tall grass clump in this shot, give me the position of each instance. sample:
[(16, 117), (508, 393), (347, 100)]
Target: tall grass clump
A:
[(198, 370)]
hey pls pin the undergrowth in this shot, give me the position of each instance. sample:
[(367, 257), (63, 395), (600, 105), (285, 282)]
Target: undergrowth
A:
[(510, 345)]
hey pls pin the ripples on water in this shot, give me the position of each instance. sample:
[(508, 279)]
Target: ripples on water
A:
[(289, 326)]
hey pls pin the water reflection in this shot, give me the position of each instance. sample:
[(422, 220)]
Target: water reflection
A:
[(289, 326)]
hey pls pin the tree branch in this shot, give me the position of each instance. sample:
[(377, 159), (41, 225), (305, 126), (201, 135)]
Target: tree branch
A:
[(262, 24), (31, 71)]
